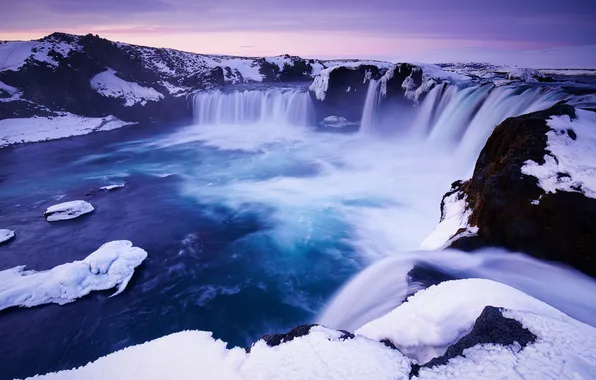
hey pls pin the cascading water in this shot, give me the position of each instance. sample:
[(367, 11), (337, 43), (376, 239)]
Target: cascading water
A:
[(384, 285), (369, 112), (464, 118), (271, 105)]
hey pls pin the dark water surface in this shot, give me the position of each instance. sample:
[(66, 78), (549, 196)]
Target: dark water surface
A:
[(210, 267)]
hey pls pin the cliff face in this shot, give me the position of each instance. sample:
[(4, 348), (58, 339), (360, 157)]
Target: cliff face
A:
[(531, 189)]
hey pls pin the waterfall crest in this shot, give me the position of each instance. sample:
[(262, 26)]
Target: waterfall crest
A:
[(253, 106)]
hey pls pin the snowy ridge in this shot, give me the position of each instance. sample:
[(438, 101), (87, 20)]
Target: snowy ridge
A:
[(571, 163), (432, 319), (14, 54), (108, 84), (111, 265)]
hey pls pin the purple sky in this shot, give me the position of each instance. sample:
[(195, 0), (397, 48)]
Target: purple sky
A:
[(383, 29)]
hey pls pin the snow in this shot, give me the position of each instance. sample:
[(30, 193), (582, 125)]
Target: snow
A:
[(111, 265), (436, 72), (427, 322), (455, 217), (112, 187), (249, 71), (567, 72), (23, 130), (524, 74), (565, 349), (280, 61), (67, 210), (574, 158), (5, 235), (432, 319), (14, 54), (321, 84), (173, 89), (12, 91), (337, 122), (319, 355), (108, 84)]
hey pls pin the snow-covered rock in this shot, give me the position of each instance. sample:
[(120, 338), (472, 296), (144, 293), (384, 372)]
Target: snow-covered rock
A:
[(68, 210), (24, 130), (455, 215), (108, 84), (322, 353), (525, 74), (6, 235), (111, 265), (533, 189), (526, 339), (437, 317), (570, 164)]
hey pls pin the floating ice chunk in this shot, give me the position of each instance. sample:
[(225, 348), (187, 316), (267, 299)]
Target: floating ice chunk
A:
[(112, 187), (112, 265), (5, 235), (67, 210)]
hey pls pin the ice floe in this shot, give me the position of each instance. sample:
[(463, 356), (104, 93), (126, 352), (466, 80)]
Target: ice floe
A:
[(67, 210), (6, 235), (112, 265)]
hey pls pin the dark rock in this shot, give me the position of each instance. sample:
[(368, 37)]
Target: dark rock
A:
[(491, 327), (427, 275), (346, 92), (562, 227), (273, 340)]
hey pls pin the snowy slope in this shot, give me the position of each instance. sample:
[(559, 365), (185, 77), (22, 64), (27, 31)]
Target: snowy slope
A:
[(570, 164), (560, 348), (108, 84)]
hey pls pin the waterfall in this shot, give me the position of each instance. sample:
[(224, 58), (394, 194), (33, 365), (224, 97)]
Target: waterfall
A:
[(464, 118), (369, 112), (386, 284), (271, 105)]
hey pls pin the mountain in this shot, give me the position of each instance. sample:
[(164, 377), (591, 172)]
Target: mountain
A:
[(92, 77)]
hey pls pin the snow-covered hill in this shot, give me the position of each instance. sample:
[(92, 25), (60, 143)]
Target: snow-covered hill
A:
[(87, 77)]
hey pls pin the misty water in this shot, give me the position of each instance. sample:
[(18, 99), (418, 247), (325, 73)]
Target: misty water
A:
[(253, 218)]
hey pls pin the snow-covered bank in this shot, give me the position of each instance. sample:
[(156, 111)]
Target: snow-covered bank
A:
[(6, 235), (108, 84), (111, 265), (570, 164), (67, 210), (24, 130), (553, 345)]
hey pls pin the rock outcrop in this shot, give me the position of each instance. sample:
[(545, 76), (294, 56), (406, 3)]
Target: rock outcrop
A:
[(552, 218)]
